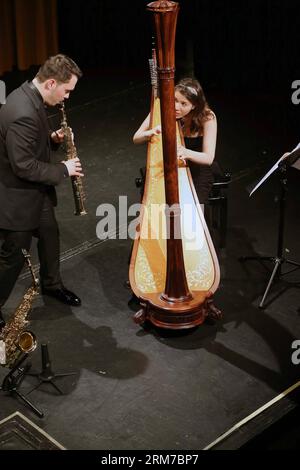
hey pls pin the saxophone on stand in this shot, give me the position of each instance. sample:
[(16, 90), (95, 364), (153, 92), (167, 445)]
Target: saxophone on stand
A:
[(14, 338), (76, 181)]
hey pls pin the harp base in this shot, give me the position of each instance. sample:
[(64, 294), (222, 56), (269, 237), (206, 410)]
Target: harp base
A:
[(177, 316)]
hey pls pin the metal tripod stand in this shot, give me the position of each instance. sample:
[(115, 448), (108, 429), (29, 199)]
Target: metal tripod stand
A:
[(47, 375), (278, 260), (13, 380)]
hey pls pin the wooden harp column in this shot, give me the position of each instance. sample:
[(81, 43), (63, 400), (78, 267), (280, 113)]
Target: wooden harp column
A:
[(165, 20), (175, 306)]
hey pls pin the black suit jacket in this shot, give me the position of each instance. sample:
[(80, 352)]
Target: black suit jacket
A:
[(26, 174)]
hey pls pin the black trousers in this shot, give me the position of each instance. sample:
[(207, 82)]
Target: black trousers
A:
[(12, 259)]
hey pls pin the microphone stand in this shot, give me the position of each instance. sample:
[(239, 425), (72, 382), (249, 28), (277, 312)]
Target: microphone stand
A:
[(13, 380), (47, 375)]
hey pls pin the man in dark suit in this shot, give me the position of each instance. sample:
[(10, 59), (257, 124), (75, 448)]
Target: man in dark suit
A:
[(27, 177)]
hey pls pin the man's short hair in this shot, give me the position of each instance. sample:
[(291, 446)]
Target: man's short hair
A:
[(60, 67)]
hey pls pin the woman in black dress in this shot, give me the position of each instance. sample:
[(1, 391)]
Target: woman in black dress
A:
[(199, 127)]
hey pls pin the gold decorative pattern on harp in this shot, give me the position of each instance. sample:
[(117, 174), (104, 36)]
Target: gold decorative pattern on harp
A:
[(174, 268)]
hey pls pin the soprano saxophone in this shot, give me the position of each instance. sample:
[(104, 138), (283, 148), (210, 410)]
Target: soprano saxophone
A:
[(77, 186), (14, 337)]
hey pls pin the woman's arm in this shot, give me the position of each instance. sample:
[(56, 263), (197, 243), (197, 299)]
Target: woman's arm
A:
[(206, 157), (144, 134)]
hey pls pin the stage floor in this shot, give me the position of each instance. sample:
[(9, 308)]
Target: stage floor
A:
[(143, 388)]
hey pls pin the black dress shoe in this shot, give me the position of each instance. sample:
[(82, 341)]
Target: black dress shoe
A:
[(64, 295)]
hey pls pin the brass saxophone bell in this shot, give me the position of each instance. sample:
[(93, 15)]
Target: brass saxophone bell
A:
[(27, 342), (15, 339)]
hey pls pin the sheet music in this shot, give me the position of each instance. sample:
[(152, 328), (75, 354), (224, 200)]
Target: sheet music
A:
[(274, 167)]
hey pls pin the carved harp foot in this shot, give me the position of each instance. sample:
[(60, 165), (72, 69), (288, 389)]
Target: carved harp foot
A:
[(212, 312), (141, 316)]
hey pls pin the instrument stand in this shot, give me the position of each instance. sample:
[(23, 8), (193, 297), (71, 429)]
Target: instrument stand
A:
[(47, 375), (13, 381), (278, 260)]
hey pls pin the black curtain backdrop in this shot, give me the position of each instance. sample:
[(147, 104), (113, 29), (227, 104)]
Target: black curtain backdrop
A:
[(252, 44), (105, 33), (236, 45)]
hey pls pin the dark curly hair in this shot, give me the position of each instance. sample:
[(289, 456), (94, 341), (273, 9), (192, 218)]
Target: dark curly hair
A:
[(192, 91)]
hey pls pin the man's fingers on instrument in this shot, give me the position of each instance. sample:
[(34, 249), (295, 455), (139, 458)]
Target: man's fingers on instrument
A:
[(59, 134)]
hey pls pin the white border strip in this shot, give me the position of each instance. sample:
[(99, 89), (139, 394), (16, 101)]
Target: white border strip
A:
[(253, 415), (34, 426)]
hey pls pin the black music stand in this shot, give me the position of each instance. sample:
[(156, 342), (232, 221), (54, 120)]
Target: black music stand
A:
[(13, 380), (278, 260), (47, 375)]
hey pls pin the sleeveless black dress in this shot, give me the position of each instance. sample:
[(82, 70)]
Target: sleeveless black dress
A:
[(202, 174)]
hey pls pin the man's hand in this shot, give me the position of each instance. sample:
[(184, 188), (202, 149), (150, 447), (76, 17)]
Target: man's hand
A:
[(58, 136), (74, 167)]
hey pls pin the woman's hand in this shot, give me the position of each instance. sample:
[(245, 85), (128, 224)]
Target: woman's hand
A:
[(182, 154), (156, 130), (145, 133), (153, 132)]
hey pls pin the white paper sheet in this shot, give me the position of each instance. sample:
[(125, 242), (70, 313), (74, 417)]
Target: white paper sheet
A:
[(274, 167)]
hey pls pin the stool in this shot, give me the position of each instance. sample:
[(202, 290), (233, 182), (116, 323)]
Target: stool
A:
[(217, 206)]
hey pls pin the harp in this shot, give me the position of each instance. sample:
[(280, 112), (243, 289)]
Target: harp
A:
[(174, 270)]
